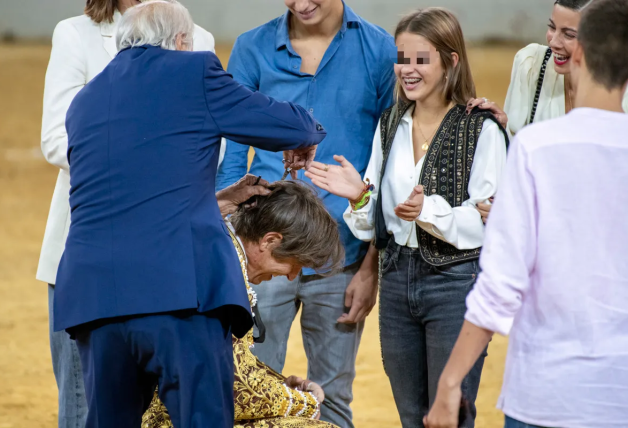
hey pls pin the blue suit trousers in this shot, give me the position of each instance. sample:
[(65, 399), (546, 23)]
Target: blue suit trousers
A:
[(187, 354)]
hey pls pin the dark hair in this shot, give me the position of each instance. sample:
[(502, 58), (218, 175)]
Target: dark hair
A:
[(603, 35), (310, 234), (442, 29), (101, 10), (576, 5)]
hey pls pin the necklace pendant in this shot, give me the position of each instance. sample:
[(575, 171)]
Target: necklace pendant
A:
[(425, 146)]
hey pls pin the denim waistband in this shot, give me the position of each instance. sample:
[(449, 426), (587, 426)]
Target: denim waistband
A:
[(396, 248)]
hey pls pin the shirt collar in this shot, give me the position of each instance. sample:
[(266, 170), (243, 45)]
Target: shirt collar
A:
[(282, 38)]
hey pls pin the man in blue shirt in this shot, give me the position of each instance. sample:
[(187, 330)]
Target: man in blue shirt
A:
[(324, 57)]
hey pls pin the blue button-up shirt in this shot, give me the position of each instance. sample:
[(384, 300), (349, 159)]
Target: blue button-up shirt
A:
[(352, 86)]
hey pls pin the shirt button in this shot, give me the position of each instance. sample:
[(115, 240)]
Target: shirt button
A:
[(311, 110), (294, 66)]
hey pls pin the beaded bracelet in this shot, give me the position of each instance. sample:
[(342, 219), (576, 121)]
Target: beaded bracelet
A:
[(364, 197), (362, 202)]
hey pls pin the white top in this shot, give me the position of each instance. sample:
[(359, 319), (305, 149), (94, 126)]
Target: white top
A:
[(460, 226), (523, 82), (81, 49), (555, 275)]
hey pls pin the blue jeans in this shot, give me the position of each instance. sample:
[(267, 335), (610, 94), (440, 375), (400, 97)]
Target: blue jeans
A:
[(513, 423), (331, 348), (66, 366), (422, 309)]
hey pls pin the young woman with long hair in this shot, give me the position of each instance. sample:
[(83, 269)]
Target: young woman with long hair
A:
[(431, 164)]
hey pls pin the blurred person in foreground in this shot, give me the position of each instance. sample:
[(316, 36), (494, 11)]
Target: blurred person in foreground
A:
[(321, 55), (554, 272), (149, 282), (275, 234), (82, 47)]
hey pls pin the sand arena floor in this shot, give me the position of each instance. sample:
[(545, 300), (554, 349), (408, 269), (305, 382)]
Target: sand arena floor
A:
[(28, 395)]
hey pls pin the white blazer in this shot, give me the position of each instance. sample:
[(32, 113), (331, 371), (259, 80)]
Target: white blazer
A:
[(81, 49)]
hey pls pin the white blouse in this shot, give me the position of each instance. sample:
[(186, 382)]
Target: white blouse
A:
[(523, 82), (461, 226)]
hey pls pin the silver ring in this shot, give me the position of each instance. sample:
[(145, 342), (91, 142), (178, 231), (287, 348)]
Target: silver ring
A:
[(485, 100)]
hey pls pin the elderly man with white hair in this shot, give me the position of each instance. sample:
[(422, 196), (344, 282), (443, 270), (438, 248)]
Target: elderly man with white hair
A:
[(82, 46), (149, 283)]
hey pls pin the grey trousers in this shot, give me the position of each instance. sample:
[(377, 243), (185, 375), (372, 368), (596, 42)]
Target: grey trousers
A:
[(66, 365), (331, 348)]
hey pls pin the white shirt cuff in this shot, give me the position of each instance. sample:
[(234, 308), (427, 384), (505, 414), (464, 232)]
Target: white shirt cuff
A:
[(427, 212)]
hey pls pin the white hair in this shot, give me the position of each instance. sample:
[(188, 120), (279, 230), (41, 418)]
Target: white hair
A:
[(156, 23)]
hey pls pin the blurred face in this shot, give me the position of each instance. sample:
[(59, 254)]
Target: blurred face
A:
[(419, 68), (311, 12), (562, 36), (262, 266)]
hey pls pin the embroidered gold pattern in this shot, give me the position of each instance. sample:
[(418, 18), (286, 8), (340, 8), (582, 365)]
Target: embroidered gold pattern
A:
[(446, 172), (261, 398)]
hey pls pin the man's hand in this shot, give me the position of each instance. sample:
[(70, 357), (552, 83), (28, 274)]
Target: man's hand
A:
[(299, 159), (485, 104), (485, 209), (248, 186), (361, 294), (446, 408), (410, 209)]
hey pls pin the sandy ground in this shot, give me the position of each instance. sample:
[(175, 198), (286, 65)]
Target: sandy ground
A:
[(28, 395)]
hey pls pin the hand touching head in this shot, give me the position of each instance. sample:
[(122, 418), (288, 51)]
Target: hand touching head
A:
[(287, 230)]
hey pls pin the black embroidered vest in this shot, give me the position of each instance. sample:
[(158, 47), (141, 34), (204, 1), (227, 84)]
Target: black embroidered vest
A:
[(446, 172)]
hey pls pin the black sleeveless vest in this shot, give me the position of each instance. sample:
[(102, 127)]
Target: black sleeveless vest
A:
[(446, 172)]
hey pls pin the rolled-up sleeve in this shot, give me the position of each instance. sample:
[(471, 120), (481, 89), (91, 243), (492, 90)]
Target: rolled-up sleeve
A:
[(509, 250)]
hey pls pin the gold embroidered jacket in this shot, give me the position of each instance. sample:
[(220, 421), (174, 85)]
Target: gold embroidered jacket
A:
[(261, 398)]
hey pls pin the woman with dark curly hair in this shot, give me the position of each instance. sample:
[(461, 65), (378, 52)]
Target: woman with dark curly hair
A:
[(541, 85)]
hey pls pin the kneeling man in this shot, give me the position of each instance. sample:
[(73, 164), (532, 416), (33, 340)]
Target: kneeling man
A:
[(284, 230)]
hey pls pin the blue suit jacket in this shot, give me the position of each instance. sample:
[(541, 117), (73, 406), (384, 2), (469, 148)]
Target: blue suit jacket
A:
[(143, 145)]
